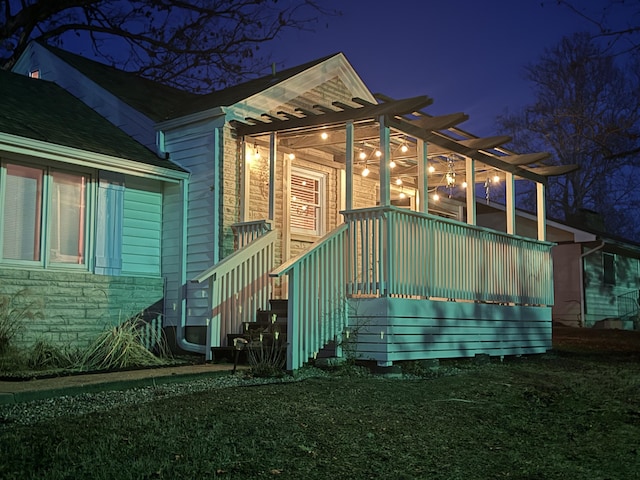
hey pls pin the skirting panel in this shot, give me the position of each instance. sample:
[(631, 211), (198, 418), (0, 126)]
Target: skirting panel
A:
[(394, 329)]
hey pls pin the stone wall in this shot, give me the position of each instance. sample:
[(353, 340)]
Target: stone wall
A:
[(76, 306)]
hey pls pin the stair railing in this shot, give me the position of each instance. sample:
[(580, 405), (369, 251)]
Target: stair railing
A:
[(246, 232), (239, 285), (317, 309), (628, 305)]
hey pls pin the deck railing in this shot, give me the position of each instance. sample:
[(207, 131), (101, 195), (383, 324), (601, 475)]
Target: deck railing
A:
[(317, 302), (239, 285), (246, 232), (396, 252)]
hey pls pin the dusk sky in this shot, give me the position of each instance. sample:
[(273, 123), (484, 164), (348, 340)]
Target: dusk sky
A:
[(468, 55)]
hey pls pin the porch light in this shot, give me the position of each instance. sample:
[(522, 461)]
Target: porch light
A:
[(365, 171), (432, 169), (362, 156), (392, 164), (402, 194), (398, 181), (436, 197), (292, 156), (324, 135), (496, 179), (378, 153), (464, 184), (404, 148), (256, 152)]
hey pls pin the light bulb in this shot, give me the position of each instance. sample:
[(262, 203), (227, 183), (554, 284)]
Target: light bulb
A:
[(392, 164), (324, 135), (464, 184), (292, 156), (432, 169), (403, 195), (436, 197), (363, 156), (496, 179), (404, 148), (398, 181), (365, 172), (378, 153)]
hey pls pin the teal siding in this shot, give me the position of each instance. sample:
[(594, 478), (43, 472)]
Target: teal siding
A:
[(108, 246), (142, 226)]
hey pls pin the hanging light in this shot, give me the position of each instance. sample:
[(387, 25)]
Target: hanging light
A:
[(464, 184), (256, 152), (404, 148), (496, 178), (392, 164), (365, 171), (436, 197), (402, 194), (431, 169), (378, 153), (292, 156), (324, 135), (398, 181), (362, 156)]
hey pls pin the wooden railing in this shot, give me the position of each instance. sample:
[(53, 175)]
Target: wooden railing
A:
[(628, 305), (238, 286), (317, 302), (246, 232), (396, 252)]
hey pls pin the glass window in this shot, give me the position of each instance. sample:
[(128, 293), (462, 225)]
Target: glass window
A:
[(609, 264), (22, 213), (306, 202), (35, 197)]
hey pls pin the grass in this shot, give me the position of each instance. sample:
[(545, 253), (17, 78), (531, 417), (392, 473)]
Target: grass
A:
[(573, 413)]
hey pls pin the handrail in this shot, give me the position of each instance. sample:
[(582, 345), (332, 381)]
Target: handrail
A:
[(288, 265), (317, 310), (239, 285), (236, 258)]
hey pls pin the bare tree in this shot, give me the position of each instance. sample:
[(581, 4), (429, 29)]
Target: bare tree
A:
[(192, 44), (617, 22), (585, 110)]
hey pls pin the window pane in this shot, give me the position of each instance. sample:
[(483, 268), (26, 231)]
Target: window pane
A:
[(67, 210), (22, 211), (305, 204)]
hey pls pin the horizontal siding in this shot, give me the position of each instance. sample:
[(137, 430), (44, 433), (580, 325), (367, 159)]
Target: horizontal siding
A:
[(395, 329), (142, 227)]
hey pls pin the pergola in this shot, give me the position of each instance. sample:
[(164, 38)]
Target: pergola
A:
[(403, 142)]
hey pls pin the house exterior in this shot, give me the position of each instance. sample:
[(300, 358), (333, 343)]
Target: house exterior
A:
[(305, 186), (84, 214), (596, 276)]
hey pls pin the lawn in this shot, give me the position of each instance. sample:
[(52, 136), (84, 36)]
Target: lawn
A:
[(570, 414)]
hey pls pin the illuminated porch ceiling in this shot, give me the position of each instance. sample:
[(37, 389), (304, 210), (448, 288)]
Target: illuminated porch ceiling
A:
[(323, 128)]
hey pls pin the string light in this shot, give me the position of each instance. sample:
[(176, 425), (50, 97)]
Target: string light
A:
[(378, 153), (392, 164), (431, 169), (292, 156), (324, 135), (398, 181), (404, 148), (363, 156), (365, 171)]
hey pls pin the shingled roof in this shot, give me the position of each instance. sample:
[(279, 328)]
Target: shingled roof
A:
[(43, 111), (160, 102)]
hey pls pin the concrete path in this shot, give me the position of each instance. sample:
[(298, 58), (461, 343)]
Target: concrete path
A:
[(38, 389)]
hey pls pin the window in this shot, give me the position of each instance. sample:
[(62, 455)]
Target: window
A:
[(34, 73), (307, 198), (43, 215)]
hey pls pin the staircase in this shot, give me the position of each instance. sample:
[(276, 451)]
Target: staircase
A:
[(269, 328)]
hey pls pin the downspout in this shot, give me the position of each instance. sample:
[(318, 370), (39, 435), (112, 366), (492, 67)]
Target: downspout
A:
[(588, 252), (182, 324)]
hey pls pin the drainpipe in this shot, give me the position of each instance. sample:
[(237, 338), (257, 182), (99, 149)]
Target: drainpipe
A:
[(182, 324), (588, 252)]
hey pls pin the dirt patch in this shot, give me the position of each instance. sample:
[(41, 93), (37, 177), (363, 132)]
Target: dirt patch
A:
[(595, 340)]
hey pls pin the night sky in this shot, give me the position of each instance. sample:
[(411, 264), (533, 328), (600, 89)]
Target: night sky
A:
[(468, 55)]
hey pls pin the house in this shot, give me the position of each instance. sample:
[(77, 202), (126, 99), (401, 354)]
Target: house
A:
[(88, 215), (305, 186)]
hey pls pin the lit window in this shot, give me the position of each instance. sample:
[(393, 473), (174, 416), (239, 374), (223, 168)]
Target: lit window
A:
[(307, 202), (34, 73), (44, 210)]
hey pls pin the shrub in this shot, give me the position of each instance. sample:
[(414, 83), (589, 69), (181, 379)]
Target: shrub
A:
[(120, 347), (267, 355), (45, 355)]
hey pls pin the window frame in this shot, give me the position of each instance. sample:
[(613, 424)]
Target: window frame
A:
[(608, 268), (321, 208), (45, 231)]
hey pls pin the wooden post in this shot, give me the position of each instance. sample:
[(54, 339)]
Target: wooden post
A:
[(423, 179), (510, 203), (293, 329), (541, 212), (245, 181), (470, 173), (385, 158), (349, 167), (273, 151)]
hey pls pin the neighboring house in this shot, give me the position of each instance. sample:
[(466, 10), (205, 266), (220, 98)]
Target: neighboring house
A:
[(596, 276), (85, 214), (294, 178)]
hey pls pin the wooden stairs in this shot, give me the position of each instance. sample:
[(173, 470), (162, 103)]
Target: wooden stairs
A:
[(269, 328)]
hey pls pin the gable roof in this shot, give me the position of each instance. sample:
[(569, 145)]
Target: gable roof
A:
[(160, 102), (42, 110), (155, 100)]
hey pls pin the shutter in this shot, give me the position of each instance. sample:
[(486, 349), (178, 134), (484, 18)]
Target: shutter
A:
[(110, 210)]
